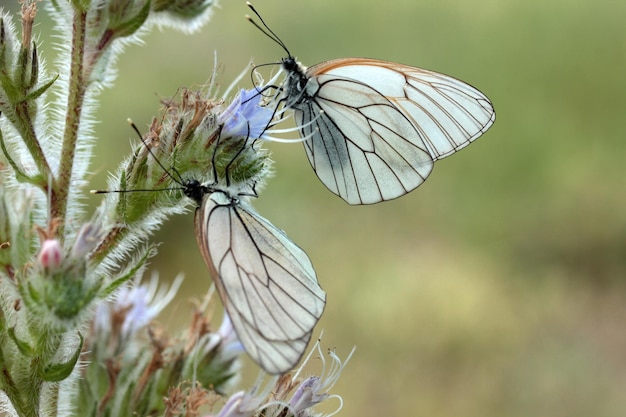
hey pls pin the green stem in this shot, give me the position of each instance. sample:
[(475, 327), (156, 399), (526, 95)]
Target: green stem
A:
[(9, 387), (76, 95), (32, 392), (24, 395), (53, 399)]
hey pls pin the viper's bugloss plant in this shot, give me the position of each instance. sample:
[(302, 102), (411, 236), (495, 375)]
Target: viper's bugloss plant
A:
[(77, 329)]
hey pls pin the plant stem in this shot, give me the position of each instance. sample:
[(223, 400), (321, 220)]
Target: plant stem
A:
[(76, 94)]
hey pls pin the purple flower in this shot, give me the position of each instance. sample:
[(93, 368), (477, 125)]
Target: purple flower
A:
[(231, 343), (315, 389), (86, 240), (305, 396), (240, 404), (284, 396), (137, 306), (245, 116)]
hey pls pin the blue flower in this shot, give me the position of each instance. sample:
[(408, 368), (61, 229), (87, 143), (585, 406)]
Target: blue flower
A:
[(245, 116), (229, 337), (315, 389), (134, 308)]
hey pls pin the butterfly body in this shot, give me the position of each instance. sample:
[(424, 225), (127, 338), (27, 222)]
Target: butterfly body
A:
[(194, 190), (295, 83)]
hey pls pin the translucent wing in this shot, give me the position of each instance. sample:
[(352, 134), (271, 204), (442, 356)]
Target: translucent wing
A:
[(267, 284), (362, 148), (376, 127)]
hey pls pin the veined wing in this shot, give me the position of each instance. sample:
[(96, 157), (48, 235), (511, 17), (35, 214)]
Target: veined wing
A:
[(376, 127), (267, 284), (447, 113), (361, 146)]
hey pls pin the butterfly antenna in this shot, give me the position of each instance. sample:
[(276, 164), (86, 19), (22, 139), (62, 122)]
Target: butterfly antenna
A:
[(265, 29), (178, 180), (142, 190)]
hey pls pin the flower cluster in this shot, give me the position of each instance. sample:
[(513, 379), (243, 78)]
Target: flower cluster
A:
[(78, 331), (290, 394), (127, 353)]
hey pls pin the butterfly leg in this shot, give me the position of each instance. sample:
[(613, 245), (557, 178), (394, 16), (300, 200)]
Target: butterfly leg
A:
[(243, 147)]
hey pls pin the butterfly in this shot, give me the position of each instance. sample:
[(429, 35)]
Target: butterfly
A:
[(373, 129), (267, 283)]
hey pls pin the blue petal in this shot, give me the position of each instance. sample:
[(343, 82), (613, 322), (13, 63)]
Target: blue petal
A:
[(245, 117)]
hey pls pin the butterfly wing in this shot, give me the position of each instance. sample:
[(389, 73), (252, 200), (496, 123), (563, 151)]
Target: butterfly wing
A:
[(267, 284), (448, 113), (360, 145), (376, 127)]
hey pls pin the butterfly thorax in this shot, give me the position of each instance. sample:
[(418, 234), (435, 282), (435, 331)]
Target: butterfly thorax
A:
[(295, 83)]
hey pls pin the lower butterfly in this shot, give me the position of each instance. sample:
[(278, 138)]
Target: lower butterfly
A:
[(267, 284), (372, 129)]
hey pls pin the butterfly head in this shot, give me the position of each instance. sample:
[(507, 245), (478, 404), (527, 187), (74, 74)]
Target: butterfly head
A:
[(195, 190), (290, 65), (296, 72)]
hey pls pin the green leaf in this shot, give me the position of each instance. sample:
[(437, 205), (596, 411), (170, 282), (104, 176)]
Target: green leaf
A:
[(38, 92), (131, 273), (24, 348), (60, 371), (130, 26)]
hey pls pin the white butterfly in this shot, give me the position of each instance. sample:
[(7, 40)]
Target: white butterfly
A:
[(373, 128), (267, 284)]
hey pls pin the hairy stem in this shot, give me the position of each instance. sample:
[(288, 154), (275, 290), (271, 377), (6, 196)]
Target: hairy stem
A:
[(9, 387), (76, 95)]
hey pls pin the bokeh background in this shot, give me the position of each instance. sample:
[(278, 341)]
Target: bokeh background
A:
[(498, 287)]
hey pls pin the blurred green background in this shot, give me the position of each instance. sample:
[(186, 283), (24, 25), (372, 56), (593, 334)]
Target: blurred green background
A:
[(498, 287)]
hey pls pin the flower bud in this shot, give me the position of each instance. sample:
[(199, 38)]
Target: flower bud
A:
[(86, 240), (51, 254)]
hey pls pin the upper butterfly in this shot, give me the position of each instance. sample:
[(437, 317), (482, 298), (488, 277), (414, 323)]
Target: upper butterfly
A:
[(372, 129)]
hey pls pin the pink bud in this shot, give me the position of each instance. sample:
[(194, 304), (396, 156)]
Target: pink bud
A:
[(51, 254)]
